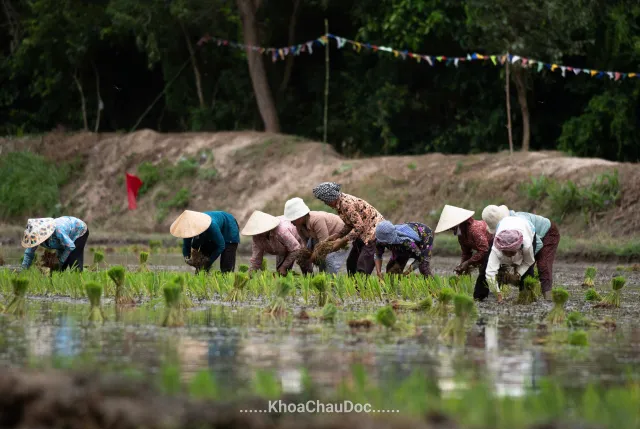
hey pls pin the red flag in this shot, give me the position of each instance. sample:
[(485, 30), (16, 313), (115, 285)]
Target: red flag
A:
[(133, 185)]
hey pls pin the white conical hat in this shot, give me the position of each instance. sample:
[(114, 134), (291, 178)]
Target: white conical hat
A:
[(37, 231), (260, 222), (189, 224), (452, 216)]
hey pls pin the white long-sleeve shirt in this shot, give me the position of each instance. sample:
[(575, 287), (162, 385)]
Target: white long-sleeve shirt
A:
[(523, 258)]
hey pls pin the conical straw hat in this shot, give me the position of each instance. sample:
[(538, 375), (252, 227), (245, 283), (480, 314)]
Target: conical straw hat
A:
[(452, 216), (189, 224), (37, 231), (259, 223)]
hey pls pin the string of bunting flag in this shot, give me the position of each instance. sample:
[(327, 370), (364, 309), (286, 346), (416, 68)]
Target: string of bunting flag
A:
[(281, 53)]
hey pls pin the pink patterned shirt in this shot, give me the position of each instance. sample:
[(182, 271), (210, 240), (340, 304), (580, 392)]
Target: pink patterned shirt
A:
[(282, 241)]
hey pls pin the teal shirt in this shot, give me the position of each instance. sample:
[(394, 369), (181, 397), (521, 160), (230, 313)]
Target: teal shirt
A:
[(223, 229), (540, 224)]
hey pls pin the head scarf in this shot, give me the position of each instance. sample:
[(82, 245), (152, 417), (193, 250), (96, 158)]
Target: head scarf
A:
[(509, 240), (388, 233), (327, 192)]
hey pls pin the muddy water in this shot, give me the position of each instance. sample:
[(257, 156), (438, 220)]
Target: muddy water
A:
[(507, 343)]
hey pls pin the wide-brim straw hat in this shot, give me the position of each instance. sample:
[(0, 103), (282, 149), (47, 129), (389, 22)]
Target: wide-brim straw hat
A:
[(37, 231), (190, 224), (259, 223), (492, 215), (452, 216), (295, 208)]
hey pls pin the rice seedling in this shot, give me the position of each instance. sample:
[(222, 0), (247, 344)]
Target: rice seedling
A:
[(239, 282), (303, 257), (173, 315), (322, 287), (98, 259), (589, 277), (578, 338), (264, 265), (278, 307), (527, 294), (592, 295), (50, 261), (442, 307), (122, 295), (17, 306), (184, 301), (575, 319), (612, 299), (143, 259), (386, 317), (360, 324), (424, 305), (329, 312), (243, 268), (94, 293), (198, 260), (323, 249), (557, 315), (455, 329)]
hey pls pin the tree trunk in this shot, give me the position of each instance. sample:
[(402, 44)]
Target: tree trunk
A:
[(521, 87), (508, 95), (13, 25), (83, 103), (194, 64), (100, 104), (264, 97), (288, 67)]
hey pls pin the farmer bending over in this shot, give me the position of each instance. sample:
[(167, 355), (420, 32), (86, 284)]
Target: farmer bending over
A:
[(213, 234), (406, 241), (360, 219), (67, 235), (314, 228), (547, 240), (275, 236)]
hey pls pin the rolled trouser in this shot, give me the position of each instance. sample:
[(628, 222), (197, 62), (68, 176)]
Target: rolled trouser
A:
[(361, 257), (75, 260), (546, 257)]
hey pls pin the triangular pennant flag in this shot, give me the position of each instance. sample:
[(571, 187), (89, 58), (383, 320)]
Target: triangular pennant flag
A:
[(417, 57), (632, 75), (310, 47), (428, 58), (274, 56), (540, 66), (617, 76), (493, 60), (357, 46), (322, 40), (468, 57), (554, 67), (514, 59), (577, 71), (396, 53), (525, 61), (404, 54), (340, 42), (600, 75), (455, 62), (385, 48), (474, 56), (133, 186), (610, 74), (449, 61), (563, 68), (593, 72), (503, 59), (480, 57), (439, 58)]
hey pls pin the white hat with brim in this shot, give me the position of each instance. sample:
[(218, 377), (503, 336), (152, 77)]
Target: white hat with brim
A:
[(492, 215), (37, 231), (295, 208), (259, 223), (190, 224), (452, 216)]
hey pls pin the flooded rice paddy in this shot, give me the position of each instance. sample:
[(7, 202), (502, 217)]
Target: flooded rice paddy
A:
[(509, 345)]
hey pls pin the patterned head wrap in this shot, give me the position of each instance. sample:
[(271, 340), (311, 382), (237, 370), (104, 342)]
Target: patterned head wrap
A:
[(509, 240), (388, 233), (327, 192)]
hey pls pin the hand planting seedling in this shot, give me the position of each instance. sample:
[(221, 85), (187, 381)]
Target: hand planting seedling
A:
[(386, 317), (278, 306), (455, 329), (592, 295), (557, 314), (528, 293), (198, 260), (612, 299), (329, 312), (143, 259), (122, 295), (423, 305), (50, 261), (239, 282), (17, 306), (173, 315), (442, 307), (303, 257), (589, 277), (322, 250), (94, 293)]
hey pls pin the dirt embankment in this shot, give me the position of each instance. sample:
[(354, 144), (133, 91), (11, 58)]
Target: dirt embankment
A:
[(260, 171)]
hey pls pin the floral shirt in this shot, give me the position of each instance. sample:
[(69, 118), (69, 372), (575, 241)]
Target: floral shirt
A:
[(474, 237), (282, 241), (419, 250), (68, 230), (360, 218)]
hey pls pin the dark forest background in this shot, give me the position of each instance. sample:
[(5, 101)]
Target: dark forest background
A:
[(100, 64)]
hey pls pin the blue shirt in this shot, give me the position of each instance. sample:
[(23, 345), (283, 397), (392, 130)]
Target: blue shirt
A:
[(68, 230), (540, 225), (223, 229)]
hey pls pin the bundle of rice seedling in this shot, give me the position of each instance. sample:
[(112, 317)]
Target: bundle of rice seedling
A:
[(329, 312), (442, 307), (94, 293), (173, 315), (455, 329), (612, 299), (50, 260), (395, 269), (559, 296), (578, 338), (321, 285), (592, 295), (278, 307), (264, 264), (589, 277), (386, 317), (506, 276), (123, 295), (357, 324), (143, 259), (323, 249), (243, 268), (198, 260), (17, 306), (239, 282), (575, 319), (185, 301), (98, 258), (528, 295), (423, 305), (303, 257)]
